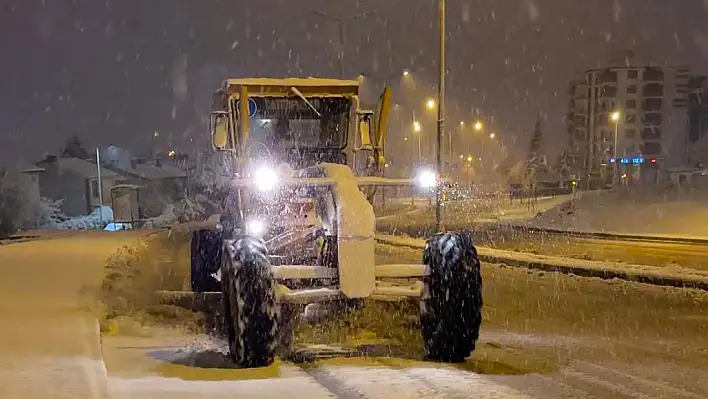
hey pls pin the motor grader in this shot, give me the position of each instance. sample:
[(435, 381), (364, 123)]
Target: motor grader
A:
[(298, 228)]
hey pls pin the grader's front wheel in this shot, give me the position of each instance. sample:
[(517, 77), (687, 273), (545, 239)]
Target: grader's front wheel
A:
[(451, 305), (251, 313)]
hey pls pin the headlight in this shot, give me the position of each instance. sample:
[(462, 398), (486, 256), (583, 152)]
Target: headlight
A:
[(265, 178), (427, 179), (255, 227)]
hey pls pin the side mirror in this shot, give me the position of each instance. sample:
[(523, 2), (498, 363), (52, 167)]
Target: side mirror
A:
[(364, 123), (219, 122)]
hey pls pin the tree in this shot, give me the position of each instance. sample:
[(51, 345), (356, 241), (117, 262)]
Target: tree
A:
[(17, 207), (536, 139), (74, 148)]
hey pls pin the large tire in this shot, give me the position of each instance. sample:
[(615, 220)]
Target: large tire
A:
[(205, 258), (252, 314), (451, 304)]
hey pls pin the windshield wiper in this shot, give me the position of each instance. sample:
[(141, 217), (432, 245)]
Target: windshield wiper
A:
[(297, 92)]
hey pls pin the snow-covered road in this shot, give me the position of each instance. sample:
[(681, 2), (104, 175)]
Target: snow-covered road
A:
[(49, 338), (153, 368), (544, 335)]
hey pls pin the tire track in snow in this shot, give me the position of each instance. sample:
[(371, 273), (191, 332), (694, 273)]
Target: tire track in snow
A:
[(578, 377), (378, 382), (637, 382)]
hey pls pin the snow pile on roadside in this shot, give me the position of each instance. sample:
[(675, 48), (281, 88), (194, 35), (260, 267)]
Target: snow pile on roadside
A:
[(528, 209), (133, 277), (644, 273), (166, 218), (95, 220), (640, 212)]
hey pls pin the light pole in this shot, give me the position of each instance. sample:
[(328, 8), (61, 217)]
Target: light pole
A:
[(416, 130), (478, 126), (615, 116), (340, 24), (449, 138), (441, 114), (99, 184)]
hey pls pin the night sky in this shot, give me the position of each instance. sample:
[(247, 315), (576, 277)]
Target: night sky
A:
[(115, 71)]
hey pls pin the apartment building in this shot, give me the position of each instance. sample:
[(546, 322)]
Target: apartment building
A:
[(643, 109)]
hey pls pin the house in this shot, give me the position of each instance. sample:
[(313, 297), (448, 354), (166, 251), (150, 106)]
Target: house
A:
[(75, 181), (160, 178), (159, 182), (31, 179)]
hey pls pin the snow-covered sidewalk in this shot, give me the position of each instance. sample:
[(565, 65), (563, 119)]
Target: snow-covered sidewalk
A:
[(635, 212), (505, 210), (668, 276)]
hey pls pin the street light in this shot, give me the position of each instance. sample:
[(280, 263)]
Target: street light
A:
[(430, 104), (416, 129), (478, 126), (462, 123), (340, 22), (405, 72), (492, 135), (615, 116)]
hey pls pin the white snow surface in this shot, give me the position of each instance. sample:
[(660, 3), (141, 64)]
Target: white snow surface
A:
[(95, 220), (669, 272), (356, 226), (636, 211), (442, 382), (364, 224), (309, 81)]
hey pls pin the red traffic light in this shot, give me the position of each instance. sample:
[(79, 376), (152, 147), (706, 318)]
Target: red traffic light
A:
[(653, 160)]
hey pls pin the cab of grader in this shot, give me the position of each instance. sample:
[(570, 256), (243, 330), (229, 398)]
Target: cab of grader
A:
[(299, 230)]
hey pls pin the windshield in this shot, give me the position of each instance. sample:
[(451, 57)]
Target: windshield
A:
[(293, 123)]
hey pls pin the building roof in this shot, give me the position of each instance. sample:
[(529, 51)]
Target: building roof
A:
[(150, 171), (81, 167), (31, 169)]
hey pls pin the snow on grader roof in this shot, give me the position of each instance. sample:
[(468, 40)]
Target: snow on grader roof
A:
[(318, 87)]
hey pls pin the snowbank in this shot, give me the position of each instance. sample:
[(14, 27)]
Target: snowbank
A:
[(670, 276), (637, 211), (133, 304), (167, 217), (95, 220), (132, 279)]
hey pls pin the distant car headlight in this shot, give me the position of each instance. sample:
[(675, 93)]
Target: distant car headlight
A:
[(255, 227), (426, 179), (265, 178)]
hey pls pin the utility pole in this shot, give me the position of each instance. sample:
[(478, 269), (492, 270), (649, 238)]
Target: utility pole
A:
[(340, 25), (441, 116), (100, 185), (417, 132)]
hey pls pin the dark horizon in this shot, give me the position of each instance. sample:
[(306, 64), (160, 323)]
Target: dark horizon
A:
[(116, 72)]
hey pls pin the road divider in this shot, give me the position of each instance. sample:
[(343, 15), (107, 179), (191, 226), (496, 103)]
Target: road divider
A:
[(611, 236), (673, 276)]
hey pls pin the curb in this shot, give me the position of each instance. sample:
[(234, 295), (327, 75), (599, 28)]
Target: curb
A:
[(636, 273), (609, 235)]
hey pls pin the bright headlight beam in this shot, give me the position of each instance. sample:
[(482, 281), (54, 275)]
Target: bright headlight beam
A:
[(265, 179), (427, 179), (255, 227)]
